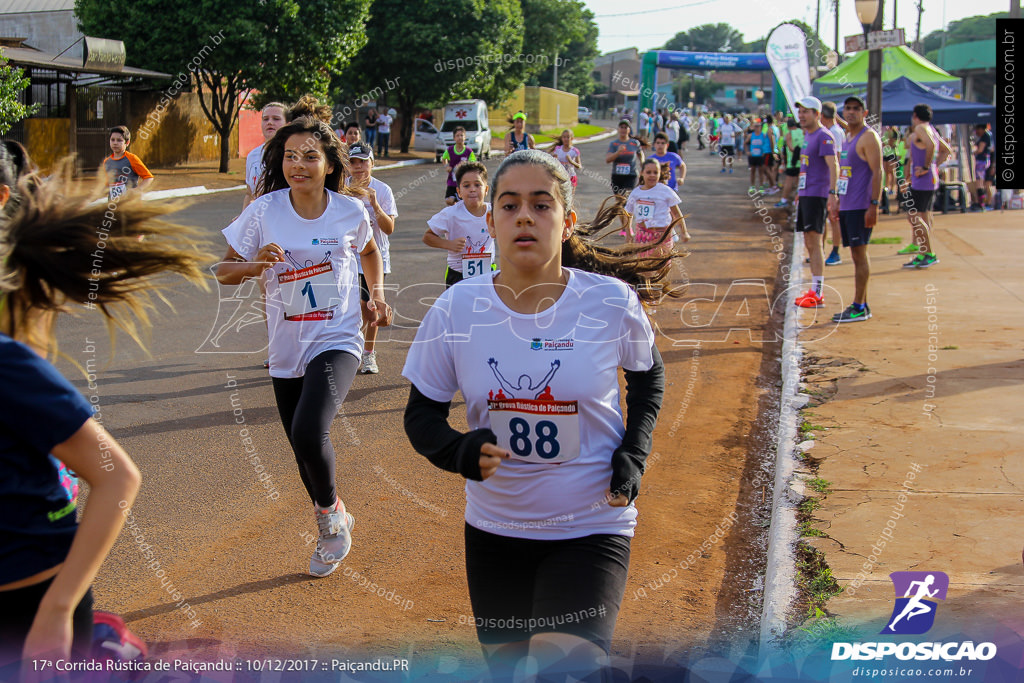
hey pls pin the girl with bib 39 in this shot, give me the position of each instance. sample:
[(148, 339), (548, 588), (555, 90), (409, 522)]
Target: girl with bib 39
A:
[(302, 238), (551, 470), (655, 209)]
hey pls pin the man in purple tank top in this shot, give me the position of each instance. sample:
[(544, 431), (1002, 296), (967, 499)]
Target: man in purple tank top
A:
[(860, 189), (927, 150), (819, 168)]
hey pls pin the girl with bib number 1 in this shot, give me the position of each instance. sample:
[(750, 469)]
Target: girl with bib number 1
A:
[(551, 472), (302, 237)]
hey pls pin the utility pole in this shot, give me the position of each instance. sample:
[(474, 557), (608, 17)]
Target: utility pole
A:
[(917, 40), (1015, 9), (836, 6), (817, 20), (895, 4)]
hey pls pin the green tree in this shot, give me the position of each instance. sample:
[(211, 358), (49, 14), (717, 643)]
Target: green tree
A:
[(225, 49), (575, 72), (964, 30), (707, 38), (13, 83), (445, 49)]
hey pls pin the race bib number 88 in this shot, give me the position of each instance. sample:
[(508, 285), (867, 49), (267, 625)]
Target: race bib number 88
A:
[(536, 431)]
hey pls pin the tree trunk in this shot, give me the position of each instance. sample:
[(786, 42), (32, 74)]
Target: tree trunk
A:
[(405, 106), (225, 147)]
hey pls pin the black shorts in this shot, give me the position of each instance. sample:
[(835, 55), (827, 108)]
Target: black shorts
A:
[(851, 225), (810, 214), (769, 160), (755, 161), (728, 150), (919, 200), (519, 587), (20, 607), (684, 135), (364, 289), (622, 184), (990, 172), (673, 147), (451, 276), (793, 171), (451, 192)]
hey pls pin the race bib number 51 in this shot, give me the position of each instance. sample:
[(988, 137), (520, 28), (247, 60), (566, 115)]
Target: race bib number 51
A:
[(475, 264), (536, 431)]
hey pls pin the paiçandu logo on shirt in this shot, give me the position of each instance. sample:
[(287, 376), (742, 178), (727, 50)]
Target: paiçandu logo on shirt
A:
[(325, 241), (538, 344)]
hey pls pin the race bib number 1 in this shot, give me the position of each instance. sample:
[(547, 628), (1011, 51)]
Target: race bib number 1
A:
[(475, 264), (309, 293), (536, 431)]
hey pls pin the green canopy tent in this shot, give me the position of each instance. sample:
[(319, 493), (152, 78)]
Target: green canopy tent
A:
[(851, 76)]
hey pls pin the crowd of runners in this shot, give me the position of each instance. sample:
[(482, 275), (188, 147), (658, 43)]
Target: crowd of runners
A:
[(552, 464), (314, 232)]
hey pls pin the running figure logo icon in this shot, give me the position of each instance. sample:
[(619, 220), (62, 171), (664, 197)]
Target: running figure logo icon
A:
[(916, 592)]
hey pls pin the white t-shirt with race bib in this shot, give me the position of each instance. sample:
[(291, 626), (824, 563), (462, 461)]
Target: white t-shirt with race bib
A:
[(386, 199), (652, 206), (313, 296), (453, 222), (548, 386), (253, 168)]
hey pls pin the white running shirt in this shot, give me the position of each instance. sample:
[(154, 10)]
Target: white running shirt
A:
[(455, 221), (313, 296), (652, 206), (386, 199), (548, 386), (253, 168)]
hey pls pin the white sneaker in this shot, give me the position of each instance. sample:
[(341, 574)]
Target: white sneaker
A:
[(369, 364), (334, 542)]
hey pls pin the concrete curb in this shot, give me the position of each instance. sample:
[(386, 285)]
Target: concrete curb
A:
[(186, 192), (780, 571)]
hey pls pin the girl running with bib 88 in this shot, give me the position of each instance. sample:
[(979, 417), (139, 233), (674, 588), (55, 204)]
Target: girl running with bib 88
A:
[(302, 238), (551, 471)]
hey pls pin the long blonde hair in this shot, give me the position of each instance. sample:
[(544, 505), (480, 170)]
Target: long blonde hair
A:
[(59, 248)]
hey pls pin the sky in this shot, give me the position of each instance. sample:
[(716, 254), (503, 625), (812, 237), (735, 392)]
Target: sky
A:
[(648, 24)]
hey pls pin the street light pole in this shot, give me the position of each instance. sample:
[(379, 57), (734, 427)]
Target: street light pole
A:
[(870, 14)]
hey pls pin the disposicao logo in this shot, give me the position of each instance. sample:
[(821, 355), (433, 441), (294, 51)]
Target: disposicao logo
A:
[(913, 614), (916, 595)]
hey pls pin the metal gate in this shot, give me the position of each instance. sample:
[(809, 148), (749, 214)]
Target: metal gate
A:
[(99, 110)]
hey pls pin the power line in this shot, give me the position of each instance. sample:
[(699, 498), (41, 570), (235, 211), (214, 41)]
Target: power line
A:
[(652, 11)]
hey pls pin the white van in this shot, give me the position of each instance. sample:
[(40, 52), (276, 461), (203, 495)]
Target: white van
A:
[(471, 115)]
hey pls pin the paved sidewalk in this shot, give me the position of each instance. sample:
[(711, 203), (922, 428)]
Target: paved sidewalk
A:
[(924, 440)]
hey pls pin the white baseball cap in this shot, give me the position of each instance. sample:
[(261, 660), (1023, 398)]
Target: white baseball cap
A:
[(809, 103)]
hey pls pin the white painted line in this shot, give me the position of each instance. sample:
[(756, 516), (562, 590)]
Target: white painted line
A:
[(186, 192), (780, 570)]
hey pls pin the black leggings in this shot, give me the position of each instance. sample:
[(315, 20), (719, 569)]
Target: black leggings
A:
[(307, 406), (19, 610)]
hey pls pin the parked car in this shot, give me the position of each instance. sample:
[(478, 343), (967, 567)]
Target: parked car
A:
[(584, 114)]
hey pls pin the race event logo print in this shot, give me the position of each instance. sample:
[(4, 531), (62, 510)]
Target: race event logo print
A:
[(916, 595)]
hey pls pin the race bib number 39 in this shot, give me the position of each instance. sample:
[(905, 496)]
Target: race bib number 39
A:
[(536, 431), (475, 264), (309, 293), (644, 210)]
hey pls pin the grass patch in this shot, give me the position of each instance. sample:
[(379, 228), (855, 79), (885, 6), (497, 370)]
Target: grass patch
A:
[(949, 347), (885, 240), (822, 486), (808, 427), (816, 576), (806, 529), (809, 505)]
